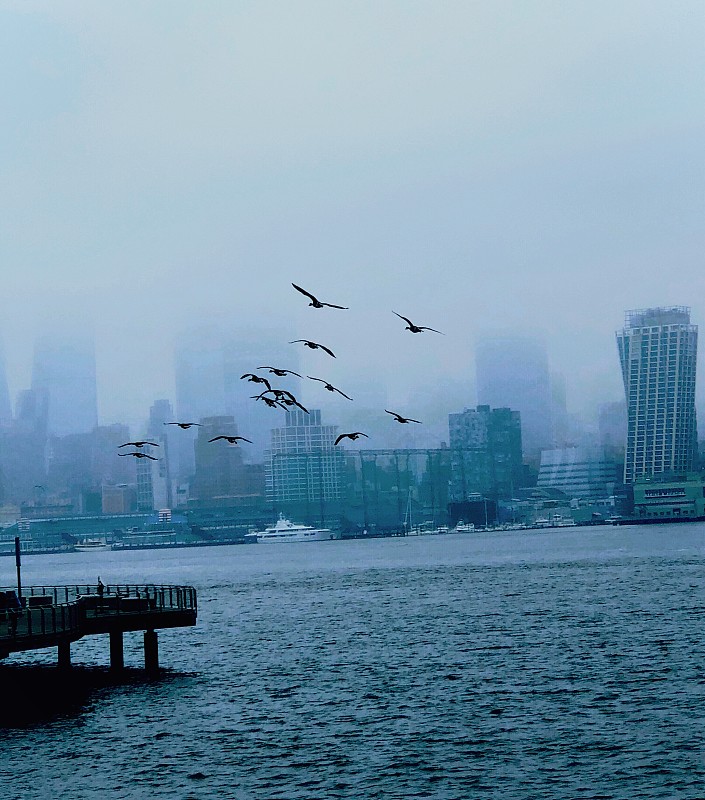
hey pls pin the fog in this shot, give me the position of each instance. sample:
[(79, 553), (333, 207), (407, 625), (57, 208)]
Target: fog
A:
[(535, 167)]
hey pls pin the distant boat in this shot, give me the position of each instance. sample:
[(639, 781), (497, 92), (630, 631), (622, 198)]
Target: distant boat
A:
[(464, 527), (287, 531), (88, 545)]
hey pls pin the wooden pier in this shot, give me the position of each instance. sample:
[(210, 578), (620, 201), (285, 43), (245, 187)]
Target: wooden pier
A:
[(56, 616)]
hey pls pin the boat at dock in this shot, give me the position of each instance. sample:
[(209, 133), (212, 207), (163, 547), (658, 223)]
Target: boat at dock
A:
[(287, 531), (89, 545)]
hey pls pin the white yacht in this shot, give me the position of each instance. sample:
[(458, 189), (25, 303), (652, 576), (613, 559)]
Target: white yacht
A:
[(287, 531), (464, 527), (88, 545)]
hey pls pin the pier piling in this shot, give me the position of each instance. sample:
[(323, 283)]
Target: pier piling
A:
[(117, 653), (64, 659), (151, 652)]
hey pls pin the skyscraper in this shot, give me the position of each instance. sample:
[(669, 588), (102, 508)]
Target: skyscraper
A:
[(303, 464), (512, 372), (209, 364), (485, 449), (64, 370), (657, 351)]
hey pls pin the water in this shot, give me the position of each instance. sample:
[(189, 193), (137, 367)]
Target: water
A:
[(556, 664)]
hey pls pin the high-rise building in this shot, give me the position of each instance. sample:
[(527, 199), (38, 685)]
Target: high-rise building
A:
[(657, 351), (154, 486), (303, 464), (221, 475), (578, 472), (512, 372), (64, 370), (210, 363), (486, 455)]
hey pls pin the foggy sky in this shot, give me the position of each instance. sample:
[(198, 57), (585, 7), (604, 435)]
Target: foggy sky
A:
[(472, 165)]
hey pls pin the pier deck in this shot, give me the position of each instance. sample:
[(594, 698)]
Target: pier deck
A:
[(56, 616)]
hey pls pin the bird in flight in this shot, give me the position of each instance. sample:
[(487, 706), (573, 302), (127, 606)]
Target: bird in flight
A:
[(269, 401), (285, 397), (138, 444), (281, 373), (399, 418), (184, 425), (328, 386), (314, 301), (256, 379), (139, 455), (416, 328), (230, 439), (314, 346), (352, 436)]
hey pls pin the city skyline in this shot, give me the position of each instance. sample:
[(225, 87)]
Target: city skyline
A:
[(219, 390), (449, 167)]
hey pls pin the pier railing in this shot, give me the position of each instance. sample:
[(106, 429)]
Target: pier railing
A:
[(50, 611)]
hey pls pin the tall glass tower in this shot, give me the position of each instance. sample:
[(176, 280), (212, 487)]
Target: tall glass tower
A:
[(658, 351)]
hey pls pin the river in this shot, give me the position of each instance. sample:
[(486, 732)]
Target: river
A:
[(558, 664)]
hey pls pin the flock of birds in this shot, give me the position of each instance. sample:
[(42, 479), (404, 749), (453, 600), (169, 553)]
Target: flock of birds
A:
[(282, 398)]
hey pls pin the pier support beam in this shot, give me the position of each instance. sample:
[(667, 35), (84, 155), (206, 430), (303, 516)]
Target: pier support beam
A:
[(64, 659), (117, 655), (151, 652)]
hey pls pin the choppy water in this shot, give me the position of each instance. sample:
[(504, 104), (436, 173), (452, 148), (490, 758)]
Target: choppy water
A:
[(559, 664)]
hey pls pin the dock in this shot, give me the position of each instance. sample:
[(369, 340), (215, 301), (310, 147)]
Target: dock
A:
[(57, 616)]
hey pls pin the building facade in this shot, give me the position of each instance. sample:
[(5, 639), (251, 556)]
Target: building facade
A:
[(303, 464), (486, 452), (682, 497), (658, 351), (578, 472)]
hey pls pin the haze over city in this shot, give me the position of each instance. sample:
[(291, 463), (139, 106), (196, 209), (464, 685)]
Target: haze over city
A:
[(534, 167)]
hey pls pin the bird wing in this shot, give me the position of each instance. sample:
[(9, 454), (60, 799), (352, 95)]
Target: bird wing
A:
[(414, 420), (247, 375), (215, 438), (127, 444), (330, 352), (146, 455), (305, 410), (423, 328), (124, 454), (320, 380), (393, 413), (242, 438), (406, 319), (297, 340), (342, 436), (343, 393), (303, 291), (331, 305)]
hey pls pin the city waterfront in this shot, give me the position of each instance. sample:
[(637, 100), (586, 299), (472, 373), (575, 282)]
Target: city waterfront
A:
[(519, 664)]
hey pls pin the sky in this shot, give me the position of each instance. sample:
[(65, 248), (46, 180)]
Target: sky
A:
[(475, 166)]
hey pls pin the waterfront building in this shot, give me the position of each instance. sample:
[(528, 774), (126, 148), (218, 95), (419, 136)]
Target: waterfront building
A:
[(486, 452), (303, 464), (657, 351), (669, 498), (581, 472), (512, 372)]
